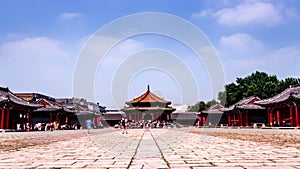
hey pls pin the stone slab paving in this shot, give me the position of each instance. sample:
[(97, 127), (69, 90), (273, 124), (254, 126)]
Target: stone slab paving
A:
[(148, 154), (152, 148)]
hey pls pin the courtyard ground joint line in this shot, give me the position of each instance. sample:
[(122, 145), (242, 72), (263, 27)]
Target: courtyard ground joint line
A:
[(148, 153)]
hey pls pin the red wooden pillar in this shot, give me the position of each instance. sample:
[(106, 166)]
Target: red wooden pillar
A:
[(199, 120), (2, 119), (278, 116), (228, 119), (291, 115), (204, 120), (166, 118), (233, 120), (66, 120), (160, 118), (271, 118), (27, 117), (269, 115), (246, 119), (50, 117), (27, 122), (57, 118), (7, 118), (241, 119), (296, 115), (30, 117)]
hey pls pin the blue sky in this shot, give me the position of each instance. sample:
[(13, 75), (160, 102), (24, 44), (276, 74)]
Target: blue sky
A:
[(41, 41)]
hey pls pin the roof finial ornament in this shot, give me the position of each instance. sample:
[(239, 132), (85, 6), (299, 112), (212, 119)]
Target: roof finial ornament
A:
[(148, 88)]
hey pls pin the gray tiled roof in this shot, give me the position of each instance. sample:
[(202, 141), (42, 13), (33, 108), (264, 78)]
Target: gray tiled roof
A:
[(114, 115), (48, 109), (185, 115), (214, 109), (296, 95), (244, 104), (282, 97), (8, 96)]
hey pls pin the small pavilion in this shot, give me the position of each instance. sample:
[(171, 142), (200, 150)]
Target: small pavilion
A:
[(147, 107), (16, 114), (283, 109), (212, 116), (245, 112)]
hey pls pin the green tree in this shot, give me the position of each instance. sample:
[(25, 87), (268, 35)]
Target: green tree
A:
[(257, 84), (286, 83), (210, 103), (222, 98), (201, 105)]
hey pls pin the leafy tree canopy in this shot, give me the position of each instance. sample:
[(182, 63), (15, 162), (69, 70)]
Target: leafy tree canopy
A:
[(257, 84), (200, 106)]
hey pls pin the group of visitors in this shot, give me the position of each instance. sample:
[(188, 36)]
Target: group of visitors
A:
[(126, 124)]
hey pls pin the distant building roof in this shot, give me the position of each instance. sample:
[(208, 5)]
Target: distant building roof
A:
[(184, 116), (214, 109), (246, 104)]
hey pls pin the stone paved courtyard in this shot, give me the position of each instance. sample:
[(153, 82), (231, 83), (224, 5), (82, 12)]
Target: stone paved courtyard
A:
[(151, 148)]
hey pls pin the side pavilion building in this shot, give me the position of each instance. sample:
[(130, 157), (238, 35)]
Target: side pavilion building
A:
[(147, 107), (283, 109), (245, 112), (15, 114)]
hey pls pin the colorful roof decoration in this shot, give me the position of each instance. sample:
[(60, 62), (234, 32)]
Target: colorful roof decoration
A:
[(148, 97), (6, 96), (148, 102)]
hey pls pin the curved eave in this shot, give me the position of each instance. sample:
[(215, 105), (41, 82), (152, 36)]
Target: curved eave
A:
[(47, 109), (250, 107), (87, 113), (273, 103), (155, 102), (148, 109)]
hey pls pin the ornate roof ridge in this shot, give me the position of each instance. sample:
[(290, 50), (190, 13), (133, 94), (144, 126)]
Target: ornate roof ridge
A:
[(148, 96)]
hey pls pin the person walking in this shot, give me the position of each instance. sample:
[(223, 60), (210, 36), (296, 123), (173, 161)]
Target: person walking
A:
[(124, 125), (89, 124)]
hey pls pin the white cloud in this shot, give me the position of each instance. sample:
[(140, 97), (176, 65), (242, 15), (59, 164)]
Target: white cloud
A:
[(285, 54), (202, 13), (34, 48), (115, 52), (37, 64), (128, 46), (240, 42), (71, 15), (249, 13), (242, 54)]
